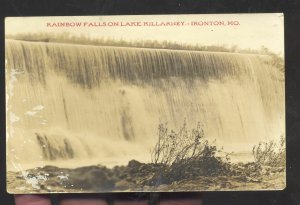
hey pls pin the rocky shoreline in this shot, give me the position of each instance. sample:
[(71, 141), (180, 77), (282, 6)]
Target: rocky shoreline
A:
[(139, 177)]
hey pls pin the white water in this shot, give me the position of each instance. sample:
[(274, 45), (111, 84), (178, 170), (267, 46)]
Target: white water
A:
[(105, 103)]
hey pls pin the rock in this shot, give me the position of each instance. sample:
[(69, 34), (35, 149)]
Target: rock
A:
[(93, 178), (134, 164), (277, 169), (122, 185), (49, 168), (225, 184), (251, 179), (163, 187)]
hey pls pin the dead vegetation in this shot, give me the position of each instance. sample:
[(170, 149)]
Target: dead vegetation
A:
[(173, 147), (187, 154), (270, 153)]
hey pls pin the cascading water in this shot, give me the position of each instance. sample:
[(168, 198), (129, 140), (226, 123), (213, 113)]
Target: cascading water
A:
[(81, 102)]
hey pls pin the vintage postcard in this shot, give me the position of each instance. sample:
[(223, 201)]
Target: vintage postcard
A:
[(145, 103)]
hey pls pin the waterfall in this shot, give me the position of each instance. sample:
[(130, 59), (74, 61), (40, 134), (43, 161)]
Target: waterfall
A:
[(68, 101)]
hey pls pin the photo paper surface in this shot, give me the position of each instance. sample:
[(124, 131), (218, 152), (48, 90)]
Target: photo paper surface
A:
[(145, 103)]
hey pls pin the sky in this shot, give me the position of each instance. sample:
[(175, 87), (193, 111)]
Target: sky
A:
[(250, 30)]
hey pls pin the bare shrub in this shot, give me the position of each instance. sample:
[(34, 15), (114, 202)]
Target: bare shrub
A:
[(270, 153), (186, 154), (173, 147)]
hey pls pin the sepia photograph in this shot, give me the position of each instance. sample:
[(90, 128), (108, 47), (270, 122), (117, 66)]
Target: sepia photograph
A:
[(148, 103)]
